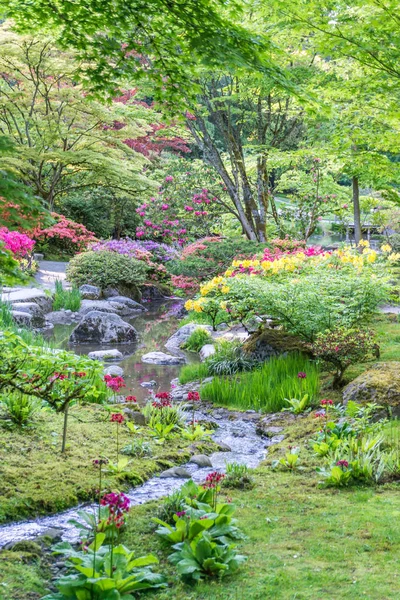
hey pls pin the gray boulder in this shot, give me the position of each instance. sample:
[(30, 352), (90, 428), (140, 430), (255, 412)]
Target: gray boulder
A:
[(33, 309), (22, 318), (101, 306), (206, 351), (148, 384), (379, 384), (201, 460), (114, 371), (106, 355), (183, 334), (160, 358), (136, 416), (44, 301), (177, 472), (63, 317), (103, 328), (90, 292), (128, 305)]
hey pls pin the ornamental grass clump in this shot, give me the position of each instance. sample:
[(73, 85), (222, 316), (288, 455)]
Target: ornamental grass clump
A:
[(66, 299), (266, 388)]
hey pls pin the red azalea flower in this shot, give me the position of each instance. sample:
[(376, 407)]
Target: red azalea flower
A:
[(131, 398), (193, 396)]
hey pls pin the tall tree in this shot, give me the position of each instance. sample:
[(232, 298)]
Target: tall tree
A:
[(65, 141), (159, 40)]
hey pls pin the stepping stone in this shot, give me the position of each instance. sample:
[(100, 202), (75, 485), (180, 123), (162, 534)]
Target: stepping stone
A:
[(106, 355)]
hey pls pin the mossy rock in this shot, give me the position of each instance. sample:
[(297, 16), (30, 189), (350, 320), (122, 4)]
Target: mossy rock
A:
[(27, 547), (268, 342), (380, 384)]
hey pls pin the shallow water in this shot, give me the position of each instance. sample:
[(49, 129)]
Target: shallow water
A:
[(154, 326), (246, 447)]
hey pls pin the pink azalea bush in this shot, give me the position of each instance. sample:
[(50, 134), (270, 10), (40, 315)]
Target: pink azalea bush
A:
[(64, 236), (20, 244)]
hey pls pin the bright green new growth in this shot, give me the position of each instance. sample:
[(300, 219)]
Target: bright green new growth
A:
[(266, 388), (193, 372), (198, 338), (66, 299)]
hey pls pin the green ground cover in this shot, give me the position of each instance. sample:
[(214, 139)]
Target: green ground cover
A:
[(37, 479), (302, 542)]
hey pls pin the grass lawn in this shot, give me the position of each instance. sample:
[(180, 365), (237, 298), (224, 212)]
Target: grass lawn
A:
[(302, 542)]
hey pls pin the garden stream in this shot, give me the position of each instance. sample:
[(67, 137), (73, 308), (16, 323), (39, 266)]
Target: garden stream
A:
[(237, 433)]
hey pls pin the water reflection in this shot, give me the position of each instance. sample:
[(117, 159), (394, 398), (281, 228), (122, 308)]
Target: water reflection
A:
[(155, 327)]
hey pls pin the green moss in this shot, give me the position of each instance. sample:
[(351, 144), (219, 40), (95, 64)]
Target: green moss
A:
[(21, 579), (277, 339), (37, 479)]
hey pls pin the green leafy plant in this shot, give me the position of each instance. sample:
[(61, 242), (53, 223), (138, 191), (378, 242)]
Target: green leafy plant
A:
[(195, 433), (138, 448), (336, 476), (66, 299), (203, 557), (238, 476), (343, 347), (289, 462), (162, 432), (19, 408), (297, 406), (121, 466), (197, 339), (104, 572), (229, 359)]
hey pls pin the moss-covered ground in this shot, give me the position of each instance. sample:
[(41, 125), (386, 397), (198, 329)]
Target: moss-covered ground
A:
[(302, 542), (37, 479)]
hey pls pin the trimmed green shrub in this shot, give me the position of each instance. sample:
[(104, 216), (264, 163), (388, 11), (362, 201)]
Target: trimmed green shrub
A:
[(105, 269)]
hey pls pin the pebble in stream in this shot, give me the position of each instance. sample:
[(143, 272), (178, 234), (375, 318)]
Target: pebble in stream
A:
[(246, 447)]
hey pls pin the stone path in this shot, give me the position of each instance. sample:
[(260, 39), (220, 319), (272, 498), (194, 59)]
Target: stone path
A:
[(49, 272)]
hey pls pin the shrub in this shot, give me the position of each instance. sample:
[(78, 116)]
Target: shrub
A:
[(229, 359), (63, 237), (197, 339), (211, 256), (266, 388), (18, 243), (105, 269), (343, 347), (137, 251), (66, 299), (185, 286)]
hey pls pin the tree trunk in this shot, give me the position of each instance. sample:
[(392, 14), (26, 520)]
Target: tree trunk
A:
[(356, 211), (64, 440)]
